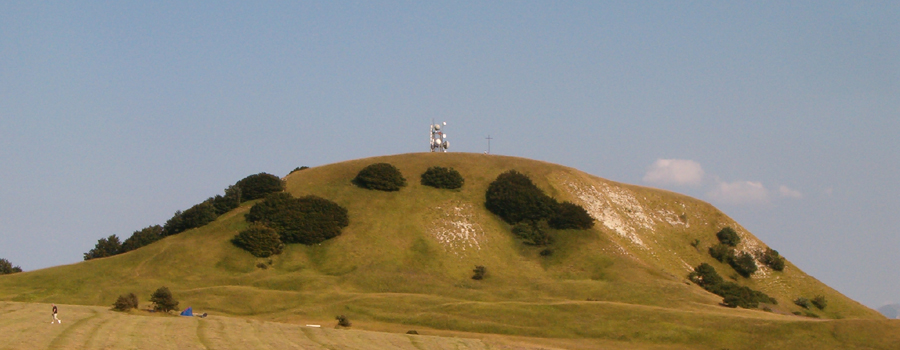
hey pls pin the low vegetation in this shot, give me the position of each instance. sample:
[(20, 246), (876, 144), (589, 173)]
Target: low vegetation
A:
[(259, 240), (343, 321), (479, 271), (733, 294), (163, 301), (381, 177), (259, 186), (126, 302), (440, 177), (7, 267), (306, 220), (772, 259), (728, 237)]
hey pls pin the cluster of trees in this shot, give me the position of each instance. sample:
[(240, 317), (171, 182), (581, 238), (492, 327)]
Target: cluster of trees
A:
[(743, 263), (733, 294), (249, 188), (772, 259), (162, 300), (282, 219), (7, 267), (515, 199)]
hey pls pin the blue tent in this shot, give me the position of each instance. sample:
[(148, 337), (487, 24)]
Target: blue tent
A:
[(188, 312)]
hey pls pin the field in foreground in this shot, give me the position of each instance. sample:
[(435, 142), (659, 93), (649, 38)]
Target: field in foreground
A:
[(27, 326)]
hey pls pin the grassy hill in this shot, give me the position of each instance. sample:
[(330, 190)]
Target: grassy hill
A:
[(406, 259)]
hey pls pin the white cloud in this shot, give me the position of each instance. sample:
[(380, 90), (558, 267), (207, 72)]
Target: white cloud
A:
[(789, 192), (675, 172), (739, 192)]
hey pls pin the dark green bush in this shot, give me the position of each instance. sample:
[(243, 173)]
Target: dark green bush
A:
[(126, 302), (728, 237), (772, 259), (571, 216), (743, 264), (306, 220), (535, 233), (197, 216), (802, 302), (141, 238), (163, 300), (105, 247), (231, 200), (514, 198), (733, 294), (298, 169), (705, 275), (440, 177), (721, 252), (259, 240), (259, 186), (380, 176), (819, 302), (6, 267), (479, 272), (343, 321)]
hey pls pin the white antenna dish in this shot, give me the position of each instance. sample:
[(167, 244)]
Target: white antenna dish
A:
[(445, 123), (438, 142)]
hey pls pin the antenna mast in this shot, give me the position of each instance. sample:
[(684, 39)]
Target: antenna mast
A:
[(438, 141)]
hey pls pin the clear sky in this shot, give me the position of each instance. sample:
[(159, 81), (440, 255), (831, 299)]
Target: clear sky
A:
[(784, 114)]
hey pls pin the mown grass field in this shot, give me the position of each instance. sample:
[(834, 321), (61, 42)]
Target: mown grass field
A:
[(388, 271)]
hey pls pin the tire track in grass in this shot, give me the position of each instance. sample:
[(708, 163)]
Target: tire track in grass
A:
[(293, 337), (203, 333), (94, 336), (60, 340), (310, 334)]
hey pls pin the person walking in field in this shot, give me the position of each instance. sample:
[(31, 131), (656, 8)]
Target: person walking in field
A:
[(55, 319)]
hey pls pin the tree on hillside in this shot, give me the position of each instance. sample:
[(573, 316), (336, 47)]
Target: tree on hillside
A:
[(381, 177), (514, 198), (231, 200), (197, 216), (105, 247), (259, 240), (6, 267), (728, 237), (259, 186), (163, 301), (307, 220), (440, 177), (569, 215), (141, 238), (126, 302)]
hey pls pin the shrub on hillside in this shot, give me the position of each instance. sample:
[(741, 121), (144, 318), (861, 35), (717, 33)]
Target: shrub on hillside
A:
[(197, 216), (819, 302), (728, 237), (802, 302), (380, 176), (733, 294), (259, 240), (514, 198), (228, 202), (105, 247), (306, 220), (721, 252), (343, 321), (163, 301), (7, 267), (772, 259), (535, 233), (743, 264), (440, 177), (479, 272), (126, 302), (571, 216), (141, 238), (259, 186), (298, 169)]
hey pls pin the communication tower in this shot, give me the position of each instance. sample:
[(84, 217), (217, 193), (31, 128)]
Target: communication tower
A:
[(439, 141)]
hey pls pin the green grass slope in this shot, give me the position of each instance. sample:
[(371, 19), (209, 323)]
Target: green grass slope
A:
[(407, 257)]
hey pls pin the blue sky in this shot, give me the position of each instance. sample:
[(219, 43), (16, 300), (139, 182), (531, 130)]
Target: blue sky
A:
[(785, 115)]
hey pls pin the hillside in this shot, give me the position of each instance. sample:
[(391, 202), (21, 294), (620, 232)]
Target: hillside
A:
[(407, 257)]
